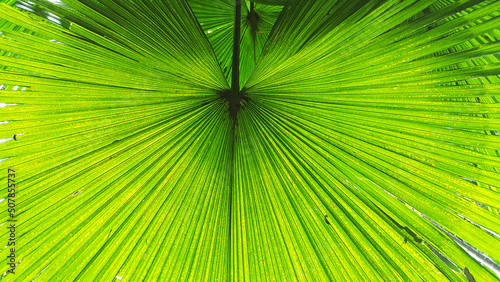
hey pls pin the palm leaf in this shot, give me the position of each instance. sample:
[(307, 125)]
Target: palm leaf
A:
[(364, 148), (402, 103), (104, 125)]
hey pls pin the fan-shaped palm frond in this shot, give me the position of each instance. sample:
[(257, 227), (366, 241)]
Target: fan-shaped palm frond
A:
[(363, 145), (118, 117)]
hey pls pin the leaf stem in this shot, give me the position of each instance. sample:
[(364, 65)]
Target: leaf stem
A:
[(235, 78)]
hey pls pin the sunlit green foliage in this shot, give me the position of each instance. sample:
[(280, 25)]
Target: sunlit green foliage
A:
[(365, 148)]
